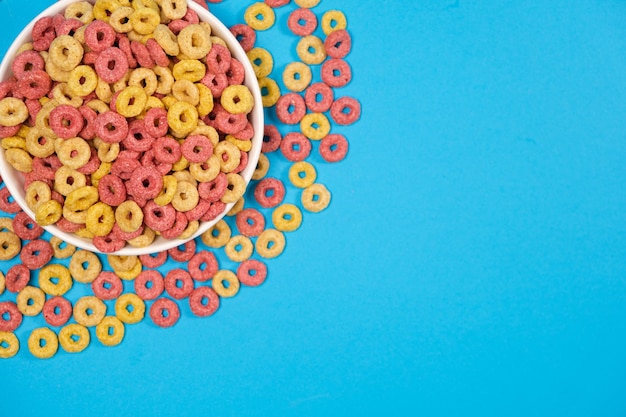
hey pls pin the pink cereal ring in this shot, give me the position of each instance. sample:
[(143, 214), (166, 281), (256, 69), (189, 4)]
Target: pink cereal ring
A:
[(69, 27), (57, 311), (46, 167), (245, 35), (216, 83), (250, 222), (164, 312), (27, 61), (252, 272), (184, 252), (271, 139), (108, 243), (215, 189), (177, 25), (295, 146), (66, 121), (290, 108), (111, 127), (215, 209), (167, 149), (17, 278), (10, 316), (202, 266), (235, 73), (269, 192), (319, 97), (124, 44), (111, 64), (141, 54), (218, 60), (157, 53), (107, 286), (25, 227), (68, 226), (345, 110), (6, 87), (7, 202), (99, 35), (138, 139), (124, 167), (43, 33), (8, 131), (230, 123), (36, 254), (178, 283), (197, 148), (92, 165), (302, 22), (154, 260), (243, 162), (148, 160), (155, 122), (145, 183), (198, 211), (277, 3), (158, 218), (246, 133), (119, 234), (89, 116), (57, 21), (336, 72), (204, 301), (149, 284), (112, 190), (334, 147), (179, 226), (338, 44), (34, 84), (191, 16)]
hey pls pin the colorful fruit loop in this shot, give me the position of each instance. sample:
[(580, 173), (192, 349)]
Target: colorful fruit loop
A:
[(128, 120)]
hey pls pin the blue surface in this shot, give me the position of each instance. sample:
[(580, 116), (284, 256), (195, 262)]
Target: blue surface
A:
[(471, 261)]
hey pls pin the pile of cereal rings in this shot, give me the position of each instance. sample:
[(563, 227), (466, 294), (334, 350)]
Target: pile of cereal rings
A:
[(81, 295)]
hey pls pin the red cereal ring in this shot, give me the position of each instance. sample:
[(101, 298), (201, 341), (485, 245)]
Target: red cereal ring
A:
[(204, 301), (34, 84), (6, 87), (252, 272), (46, 167), (191, 16), (30, 177), (138, 139), (89, 117), (68, 226), (145, 183), (107, 286), (154, 260), (271, 139), (198, 211), (250, 222), (25, 227), (243, 162), (7, 202), (149, 160), (17, 278), (57, 311), (157, 53), (149, 284), (202, 266), (43, 33), (247, 133), (10, 316), (295, 146), (230, 123), (69, 27), (141, 54), (57, 21), (112, 190), (290, 108), (179, 226), (158, 218), (99, 35), (124, 44), (122, 235), (8, 131), (302, 22), (167, 149), (216, 83), (27, 61), (338, 44), (36, 254), (164, 312), (66, 121), (218, 60), (345, 110), (33, 107), (215, 189), (277, 3), (319, 97), (245, 35), (108, 243), (124, 167), (155, 122), (184, 252), (90, 57), (235, 73), (111, 64), (215, 209), (269, 192), (178, 283), (197, 148), (336, 72), (92, 165), (111, 127), (334, 147)]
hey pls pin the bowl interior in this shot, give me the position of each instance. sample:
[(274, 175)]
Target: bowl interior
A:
[(14, 180)]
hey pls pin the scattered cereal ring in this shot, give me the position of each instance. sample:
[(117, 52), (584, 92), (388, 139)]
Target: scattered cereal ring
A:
[(250, 222), (338, 44), (302, 22), (270, 91), (287, 217), (89, 311), (295, 146), (269, 192), (345, 110), (110, 331), (43, 343), (74, 338), (333, 20), (217, 236), (315, 126), (178, 283), (36, 254), (10, 316), (225, 283), (311, 50), (297, 76), (259, 16), (149, 284), (319, 97), (9, 345), (57, 311), (315, 198), (336, 72), (270, 243), (261, 60), (17, 278), (107, 286), (290, 108), (164, 312), (245, 35), (10, 245), (252, 272), (203, 301), (129, 308), (25, 227), (85, 266), (334, 147)]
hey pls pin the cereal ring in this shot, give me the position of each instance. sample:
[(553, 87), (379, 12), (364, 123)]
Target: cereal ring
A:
[(99, 35), (122, 263), (159, 218), (261, 60), (129, 216), (315, 198), (65, 52), (145, 183), (13, 111), (131, 101), (85, 266), (333, 148), (217, 236), (235, 188), (107, 244), (202, 265), (25, 227), (252, 272), (111, 65), (112, 190), (290, 108), (110, 331), (153, 260), (179, 226), (336, 73), (199, 306), (149, 284), (157, 53), (345, 110), (259, 16), (271, 139), (2, 282), (178, 283), (270, 91), (287, 218), (182, 117), (295, 147), (164, 312), (82, 10), (89, 311), (269, 192), (111, 127), (132, 273), (61, 249), (120, 19), (26, 61), (309, 4), (43, 343), (318, 97), (107, 286), (250, 222), (167, 40), (68, 180), (82, 81), (239, 248), (194, 41), (311, 50), (36, 254), (333, 20), (225, 283), (245, 35), (197, 149), (270, 243), (186, 197), (9, 345), (10, 316), (129, 308), (173, 9), (297, 76), (48, 213), (277, 3), (338, 44), (19, 159), (10, 245), (74, 152), (315, 126), (302, 174), (237, 99), (102, 9), (74, 338), (17, 278), (141, 54), (155, 122), (57, 311), (145, 20), (302, 22)]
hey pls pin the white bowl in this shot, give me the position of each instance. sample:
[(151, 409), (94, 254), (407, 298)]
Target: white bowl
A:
[(14, 180)]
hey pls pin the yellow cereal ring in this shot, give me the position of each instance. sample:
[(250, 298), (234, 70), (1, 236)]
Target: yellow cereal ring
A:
[(259, 16), (74, 152), (262, 167), (311, 50), (205, 174), (9, 345), (222, 290), (167, 40), (185, 176), (3, 282), (82, 198), (205, 104), (13, 111), (120, 19), (61, 249), (79, 34), (84, 233), (10, 245), (287, 217), (307, 4), (81, 10), (237, 99), (239, 248), (167, 193), (55, 279), (89, 311), (98, 106), (37, 192), (74, 337), (186, 196), (302, 174), (270, 91), (107, 152), (232, 153), (129, 308), (56, 73), (145, 78), (194, 41), (173, 9), (237, 207), (143, 240), (42, 121), (207, 131), (185, 90), (169, 100), (315, 198), (270, 243), (131, 94), (189, 69), (65, 52), (100, 219), (242, 145), (67, 180), (132, 273), (144, 21), (6, 224), (297, 76), (122, 262), (110, 331), (261, 60), (235, 189), (14, 142), (82, 81), (217, 236), (103, 169), (141, 4), (333, 20), (85, 266), (30, 301), (37, 144), (182, 117), (192, 227), (315, 126), (19, 159), (129, 216), (102, 9), (43, 343), (63, 95)]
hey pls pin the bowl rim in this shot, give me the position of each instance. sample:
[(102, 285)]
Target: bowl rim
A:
[(14, 180)]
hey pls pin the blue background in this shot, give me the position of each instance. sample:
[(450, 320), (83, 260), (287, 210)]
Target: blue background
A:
[(472, 261)]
